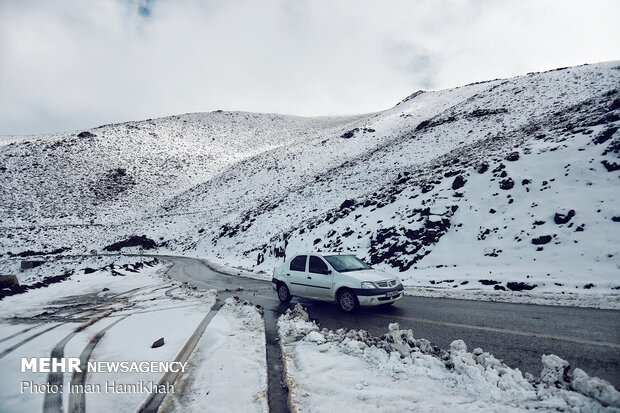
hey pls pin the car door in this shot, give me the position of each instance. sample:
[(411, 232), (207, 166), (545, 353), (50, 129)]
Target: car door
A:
[(296, 275), (319, 279)]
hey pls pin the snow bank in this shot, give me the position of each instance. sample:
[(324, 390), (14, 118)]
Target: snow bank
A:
[(228, 369), (354, 371)]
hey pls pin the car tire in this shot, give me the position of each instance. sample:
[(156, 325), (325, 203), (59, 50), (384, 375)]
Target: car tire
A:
[(283, 293), (347, 301)]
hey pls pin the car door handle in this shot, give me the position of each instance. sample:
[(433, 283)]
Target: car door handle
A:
[(309, 277), (288, 275)]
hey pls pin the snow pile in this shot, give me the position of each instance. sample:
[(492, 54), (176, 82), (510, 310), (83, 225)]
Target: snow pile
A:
[(228, 370), (398, 371)]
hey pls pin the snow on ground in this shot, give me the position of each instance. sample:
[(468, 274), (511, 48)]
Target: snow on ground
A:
[(508, 185), (569, 299), (133, 297), (228, 367), (352, 371)]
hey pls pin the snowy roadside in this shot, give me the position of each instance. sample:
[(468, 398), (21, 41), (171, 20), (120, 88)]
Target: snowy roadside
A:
[(588, 300), (228, 367), (225, 267), (129, 303), (353, 371)]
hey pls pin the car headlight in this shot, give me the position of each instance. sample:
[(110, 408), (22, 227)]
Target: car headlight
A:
[(368, 284)]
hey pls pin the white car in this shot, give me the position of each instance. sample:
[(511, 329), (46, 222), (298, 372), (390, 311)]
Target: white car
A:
[(333, 277)]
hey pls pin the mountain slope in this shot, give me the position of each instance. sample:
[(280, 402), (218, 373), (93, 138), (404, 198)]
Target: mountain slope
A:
[(512, 182)]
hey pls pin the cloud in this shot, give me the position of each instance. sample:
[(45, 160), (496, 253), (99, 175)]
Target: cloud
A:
[(70, 64)]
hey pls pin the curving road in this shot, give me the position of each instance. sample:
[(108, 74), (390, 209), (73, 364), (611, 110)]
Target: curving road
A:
[(519, 334)]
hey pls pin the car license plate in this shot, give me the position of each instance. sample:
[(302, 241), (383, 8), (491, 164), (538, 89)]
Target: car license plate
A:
[(392, 294)]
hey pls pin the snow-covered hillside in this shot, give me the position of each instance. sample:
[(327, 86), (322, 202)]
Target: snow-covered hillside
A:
[(508, 184)]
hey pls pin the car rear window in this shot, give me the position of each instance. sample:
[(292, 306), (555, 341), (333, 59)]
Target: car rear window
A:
[(298, 263)]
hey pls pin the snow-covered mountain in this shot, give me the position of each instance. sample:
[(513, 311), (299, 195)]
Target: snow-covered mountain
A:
[(506, 184)]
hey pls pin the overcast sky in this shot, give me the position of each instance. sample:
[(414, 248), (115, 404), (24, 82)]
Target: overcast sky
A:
[(74, 64)]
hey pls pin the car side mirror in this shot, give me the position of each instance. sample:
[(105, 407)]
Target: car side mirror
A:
[(326, 272)]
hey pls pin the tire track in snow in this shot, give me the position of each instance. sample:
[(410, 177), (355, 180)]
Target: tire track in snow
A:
[(20, 332), (77, 400), (26, 340), (52, 401), (154, 401)]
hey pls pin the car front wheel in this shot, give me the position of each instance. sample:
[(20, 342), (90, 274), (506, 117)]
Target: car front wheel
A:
[(347, 301), (283, 293)]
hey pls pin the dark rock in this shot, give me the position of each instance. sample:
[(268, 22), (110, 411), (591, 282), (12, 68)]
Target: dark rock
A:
[(349, 134), (588, 286), (499, 168), (134, 241), (610, 166), (29, 264), (526, 182), (431, 123), (478, 113), (520, 286), (605, 135), (615, 219), (563, 218), (483, 168), (458, 182), (488, 282), (427, 188), (347, 204), (499, 287), (30, 253), (492, 211), (47, 281), (613, 147), (89, 270), (410, 97), (507, 184), (86, 134), (423, 125), (158, 343), (8, 281), (513, 156), (543, 239)]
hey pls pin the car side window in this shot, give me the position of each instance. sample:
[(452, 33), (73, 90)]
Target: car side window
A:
[(317, 265), (298, 263)]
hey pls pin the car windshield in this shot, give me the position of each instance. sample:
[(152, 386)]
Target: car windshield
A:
[(344, 263)]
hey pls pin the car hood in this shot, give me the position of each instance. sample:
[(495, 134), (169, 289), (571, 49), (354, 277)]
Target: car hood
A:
[(369, 275)]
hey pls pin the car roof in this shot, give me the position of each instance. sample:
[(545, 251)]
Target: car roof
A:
[(324, 254)]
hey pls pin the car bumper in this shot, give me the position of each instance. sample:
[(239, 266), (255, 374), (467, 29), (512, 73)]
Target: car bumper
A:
[(378, 296)]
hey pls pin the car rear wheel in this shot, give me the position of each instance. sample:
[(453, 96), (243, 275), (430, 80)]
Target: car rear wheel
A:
[(283, 293), (347, 301)]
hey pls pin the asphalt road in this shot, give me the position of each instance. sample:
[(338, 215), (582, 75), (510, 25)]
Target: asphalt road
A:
[(518, 334)]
